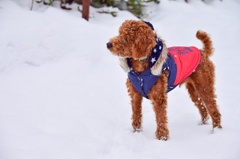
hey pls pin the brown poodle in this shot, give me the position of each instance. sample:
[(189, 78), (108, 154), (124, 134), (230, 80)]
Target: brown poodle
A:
[(153, 70)]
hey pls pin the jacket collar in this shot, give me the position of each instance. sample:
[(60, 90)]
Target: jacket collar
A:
[(156, 51), (149, 24)]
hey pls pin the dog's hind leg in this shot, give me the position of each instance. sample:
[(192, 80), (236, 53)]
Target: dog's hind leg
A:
[(207, 94), (203, 79), (197, 101), (136, 102)]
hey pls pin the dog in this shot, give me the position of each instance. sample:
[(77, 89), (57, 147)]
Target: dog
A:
[(154, 70)]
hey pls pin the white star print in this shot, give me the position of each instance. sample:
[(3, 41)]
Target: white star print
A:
[(153, 60), (155, 50), (160, 47)]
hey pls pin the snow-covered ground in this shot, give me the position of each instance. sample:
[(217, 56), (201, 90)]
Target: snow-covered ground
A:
[(63, 96)]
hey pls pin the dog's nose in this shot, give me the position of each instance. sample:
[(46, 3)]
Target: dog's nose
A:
[(109, 45)]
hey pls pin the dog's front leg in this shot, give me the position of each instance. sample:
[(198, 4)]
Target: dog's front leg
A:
[(136, 102), (158, 97)]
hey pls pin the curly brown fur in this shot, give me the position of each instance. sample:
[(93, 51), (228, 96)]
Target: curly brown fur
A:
[(200, 84), (136, 40)]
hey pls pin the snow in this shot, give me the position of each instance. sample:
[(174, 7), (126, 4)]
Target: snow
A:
[(63, 95)]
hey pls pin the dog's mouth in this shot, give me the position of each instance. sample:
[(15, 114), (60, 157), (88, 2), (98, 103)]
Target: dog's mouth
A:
[(120, 51)]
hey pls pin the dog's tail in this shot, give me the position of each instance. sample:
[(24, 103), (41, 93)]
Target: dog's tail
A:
[(207, 49)]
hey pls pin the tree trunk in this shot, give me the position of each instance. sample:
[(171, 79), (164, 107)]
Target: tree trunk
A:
[(32, 5), (85, 9)]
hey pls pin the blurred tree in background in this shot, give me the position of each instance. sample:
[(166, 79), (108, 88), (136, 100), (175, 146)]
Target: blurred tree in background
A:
[(134, 6)]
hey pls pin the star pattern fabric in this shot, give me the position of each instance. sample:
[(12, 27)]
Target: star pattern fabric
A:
[(144, 81), (156, 52)]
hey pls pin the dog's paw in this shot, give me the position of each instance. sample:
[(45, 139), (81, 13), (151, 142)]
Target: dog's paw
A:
[(137, 124), (204, 121), (163, 138), (137, 130), (214, 129), (162, 135)]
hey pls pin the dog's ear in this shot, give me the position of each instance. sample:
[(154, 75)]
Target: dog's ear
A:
[(144, 41)]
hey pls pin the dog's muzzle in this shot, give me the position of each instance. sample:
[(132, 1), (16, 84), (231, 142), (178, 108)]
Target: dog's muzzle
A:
[(109, 45)]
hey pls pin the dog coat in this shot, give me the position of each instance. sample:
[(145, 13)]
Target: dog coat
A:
[(180, 63), (186, 60)]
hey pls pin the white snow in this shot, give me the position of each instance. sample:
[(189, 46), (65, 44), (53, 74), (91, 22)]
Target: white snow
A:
[(63, 95)]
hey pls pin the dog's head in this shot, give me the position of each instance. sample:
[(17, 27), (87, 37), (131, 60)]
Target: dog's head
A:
[(135, 40)]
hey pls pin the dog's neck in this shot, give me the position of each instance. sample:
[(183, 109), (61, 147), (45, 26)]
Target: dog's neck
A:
[(140, 65)]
